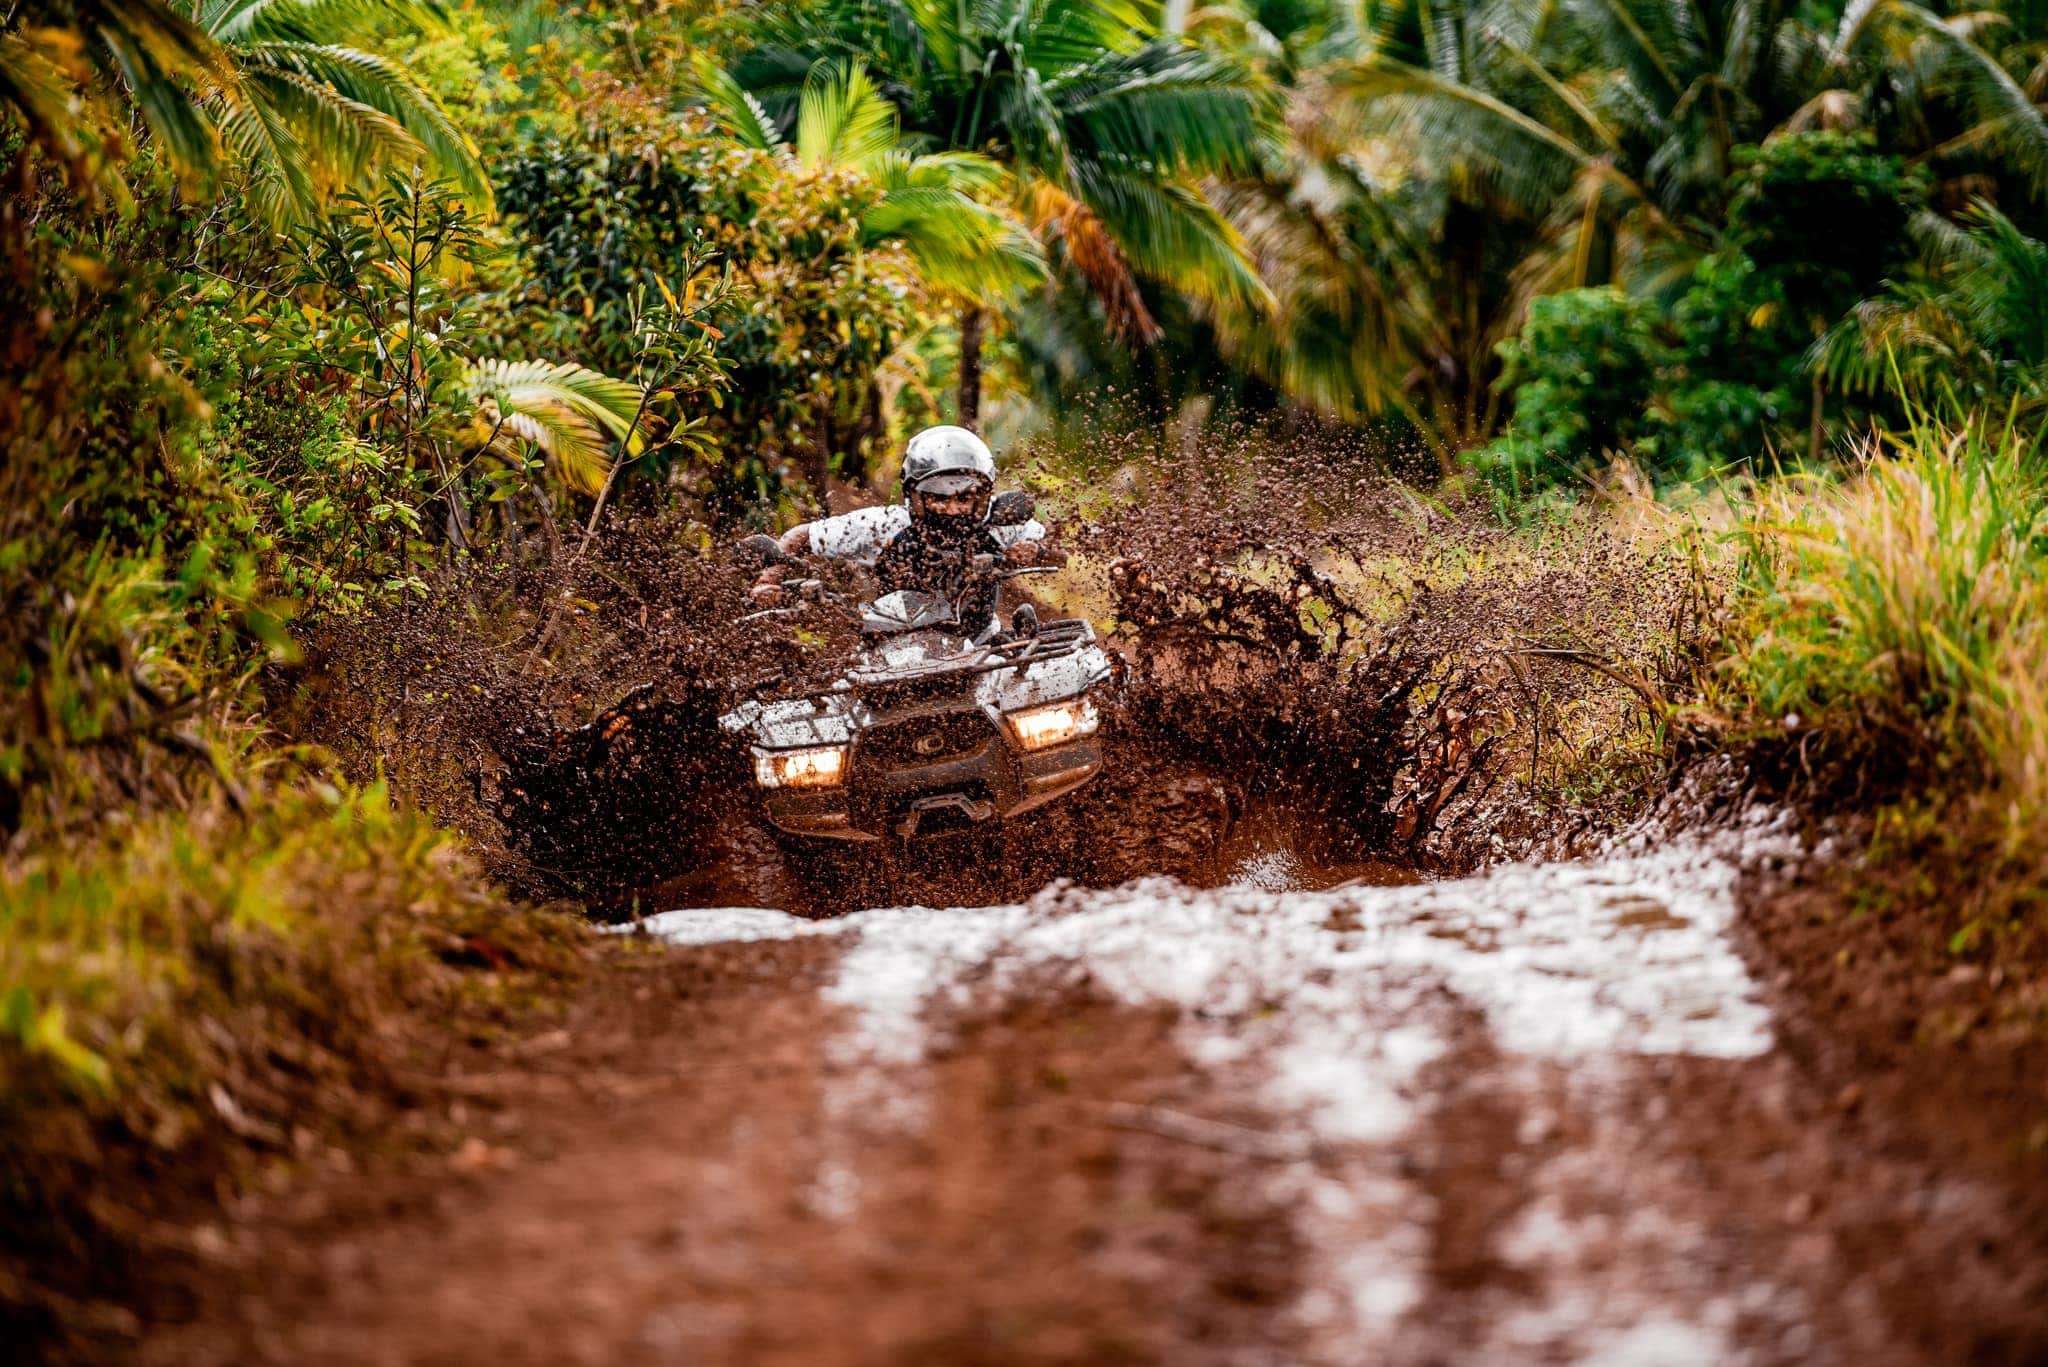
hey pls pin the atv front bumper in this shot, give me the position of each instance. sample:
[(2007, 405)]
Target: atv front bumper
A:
[(992, 784)]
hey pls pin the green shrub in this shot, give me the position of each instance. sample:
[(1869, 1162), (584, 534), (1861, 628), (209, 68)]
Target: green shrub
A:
[(1901, 615), (813, 312), (187, 993), (1708, 429), (1816, 220), (1581, 372), (1824, 214)]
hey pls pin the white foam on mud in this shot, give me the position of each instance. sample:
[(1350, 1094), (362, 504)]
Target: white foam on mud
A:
[(1329, 1009), (1627, 955), (726, 925)]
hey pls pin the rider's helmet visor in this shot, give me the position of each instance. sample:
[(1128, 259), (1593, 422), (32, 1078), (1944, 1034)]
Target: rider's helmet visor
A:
[(952, 486)]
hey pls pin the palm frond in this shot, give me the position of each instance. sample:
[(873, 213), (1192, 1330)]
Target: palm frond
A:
[(968, 172), (2014, 125), (571, 413), (1526, 160), (1635, 35), (164, 60), (958, 245), (733, 107), (1171, 231), (235, 22), (384, 85), (2002, 289), (1058, 36), (343, 141), (281, 188), (1057, 216), (841, 118), (1176, 109)]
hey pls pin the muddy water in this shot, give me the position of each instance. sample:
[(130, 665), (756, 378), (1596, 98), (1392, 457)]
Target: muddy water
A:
[(1271, 850), (1384, 1059)]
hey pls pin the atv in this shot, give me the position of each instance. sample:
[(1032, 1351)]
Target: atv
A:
[(932, 730)]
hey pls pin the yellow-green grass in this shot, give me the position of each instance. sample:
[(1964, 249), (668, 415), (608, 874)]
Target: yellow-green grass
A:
[(1902, 613), (187, 997)]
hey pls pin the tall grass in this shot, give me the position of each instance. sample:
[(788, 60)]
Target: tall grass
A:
[(191, 994), (1901, 614)]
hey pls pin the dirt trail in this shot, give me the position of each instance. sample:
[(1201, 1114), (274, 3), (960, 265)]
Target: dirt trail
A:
[(1541, 1116)]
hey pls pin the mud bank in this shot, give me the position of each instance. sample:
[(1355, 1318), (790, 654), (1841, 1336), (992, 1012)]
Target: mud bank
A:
[(1935, 1061), (1556, 1113)]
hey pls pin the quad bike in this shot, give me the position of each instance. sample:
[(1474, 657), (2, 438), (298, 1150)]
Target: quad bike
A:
[(932, 730)]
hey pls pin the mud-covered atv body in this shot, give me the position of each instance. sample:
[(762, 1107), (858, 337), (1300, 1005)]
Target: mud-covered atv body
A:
[(930, 730)]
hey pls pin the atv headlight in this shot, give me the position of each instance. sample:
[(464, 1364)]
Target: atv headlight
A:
[(824, 767), (1039, 727)]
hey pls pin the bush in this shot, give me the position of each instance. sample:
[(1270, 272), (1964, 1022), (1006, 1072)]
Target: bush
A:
[(182, 996), (813, 312), (1707, 429), (1824, 214), (1902, 616), (1582, 373), (1816, 220)]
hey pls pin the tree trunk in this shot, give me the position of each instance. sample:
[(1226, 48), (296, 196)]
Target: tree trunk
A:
[(870, 428), (1813, 437), (970, 368)]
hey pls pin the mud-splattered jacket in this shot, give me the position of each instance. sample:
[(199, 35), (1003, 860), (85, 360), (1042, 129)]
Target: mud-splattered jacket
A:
[(917, 560), (862, 534), (888, 540)]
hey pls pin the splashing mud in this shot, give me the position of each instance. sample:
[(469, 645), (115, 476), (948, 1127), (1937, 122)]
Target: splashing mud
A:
[(1398, 677)]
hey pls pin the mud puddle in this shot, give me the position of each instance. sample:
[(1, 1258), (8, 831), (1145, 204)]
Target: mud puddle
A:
[(1539, 1116), (1273, 850), (1352, 1026)]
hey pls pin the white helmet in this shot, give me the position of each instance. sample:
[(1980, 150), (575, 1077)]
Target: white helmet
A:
[(953, 451)]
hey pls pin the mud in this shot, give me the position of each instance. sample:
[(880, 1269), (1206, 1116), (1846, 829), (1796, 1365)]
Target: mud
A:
[(1347, 1087), (1560, 1113), (1289, 635)]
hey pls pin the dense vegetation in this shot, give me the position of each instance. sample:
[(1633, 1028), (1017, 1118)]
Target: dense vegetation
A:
[(312, 308)]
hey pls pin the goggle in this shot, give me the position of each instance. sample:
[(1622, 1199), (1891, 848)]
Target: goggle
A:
[(951, 486)]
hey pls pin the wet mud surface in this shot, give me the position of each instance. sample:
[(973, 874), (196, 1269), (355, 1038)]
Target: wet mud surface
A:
[(1315, 1114)]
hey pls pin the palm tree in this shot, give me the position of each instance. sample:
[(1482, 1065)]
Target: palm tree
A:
[(1105, 122), (308, 112), (1455, 158), (931, 203), (271, 85), (1973, 330), (60, 59)]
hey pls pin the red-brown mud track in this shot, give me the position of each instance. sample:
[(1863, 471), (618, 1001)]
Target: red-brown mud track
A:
[(1543, 1116)]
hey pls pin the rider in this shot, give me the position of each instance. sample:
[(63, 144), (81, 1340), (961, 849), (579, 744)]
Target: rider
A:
[(924, 542)]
